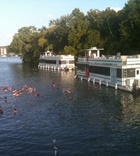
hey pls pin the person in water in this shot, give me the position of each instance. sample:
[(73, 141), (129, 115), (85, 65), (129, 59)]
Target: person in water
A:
[(14, 111), (68, 91), (53, 84), (1, 111), (36, 94), (5, 99)]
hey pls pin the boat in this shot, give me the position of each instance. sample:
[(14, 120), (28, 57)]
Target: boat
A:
[(118, 71), (56, 62), (3, 55), (16, 56)]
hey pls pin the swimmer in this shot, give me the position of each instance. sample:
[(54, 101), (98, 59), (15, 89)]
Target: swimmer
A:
[(1, 111), (36, 94), (5, 90), (68, 91), (14, 111), (53, 85), (5, 99), (94, 87), (9, 87)]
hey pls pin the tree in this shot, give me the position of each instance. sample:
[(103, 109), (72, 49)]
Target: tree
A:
[(58, 34), (108, 29), (130, 26), (78, 31), (25, 42), (94, 27)]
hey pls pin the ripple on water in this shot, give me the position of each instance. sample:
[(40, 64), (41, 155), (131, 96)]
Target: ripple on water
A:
[(88, 121)]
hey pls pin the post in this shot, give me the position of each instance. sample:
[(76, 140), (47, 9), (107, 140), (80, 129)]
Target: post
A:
[(106, 83), (100, 82), (116, 86)]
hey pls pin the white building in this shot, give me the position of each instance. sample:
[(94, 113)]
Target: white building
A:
[(3, 50)]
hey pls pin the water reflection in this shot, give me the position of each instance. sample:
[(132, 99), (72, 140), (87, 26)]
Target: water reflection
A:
[(91, 120), (130, 109)]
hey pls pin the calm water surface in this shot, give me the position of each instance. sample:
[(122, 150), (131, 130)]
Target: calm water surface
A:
[(91, 121)]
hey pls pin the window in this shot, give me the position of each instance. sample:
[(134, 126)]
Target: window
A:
[(100, 70), (71, 61), (50, 61), (82, 67), (130, 72), (62, 62)]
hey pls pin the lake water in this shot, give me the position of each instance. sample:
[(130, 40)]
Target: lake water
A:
[(90, 121)]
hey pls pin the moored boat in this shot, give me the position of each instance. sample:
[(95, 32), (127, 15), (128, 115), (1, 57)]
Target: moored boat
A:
[(56, 62), (3, 55), (119, 71)]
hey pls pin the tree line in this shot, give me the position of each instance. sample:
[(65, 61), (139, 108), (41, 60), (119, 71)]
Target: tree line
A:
[(114, 31)]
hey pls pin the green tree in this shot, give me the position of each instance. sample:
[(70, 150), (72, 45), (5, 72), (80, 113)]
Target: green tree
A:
[(58, 34), (78, 31), (108, 29), (93, 33), (130, 26), (25, 43)]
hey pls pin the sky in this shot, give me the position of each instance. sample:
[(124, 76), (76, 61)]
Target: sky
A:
[(15, 14)]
